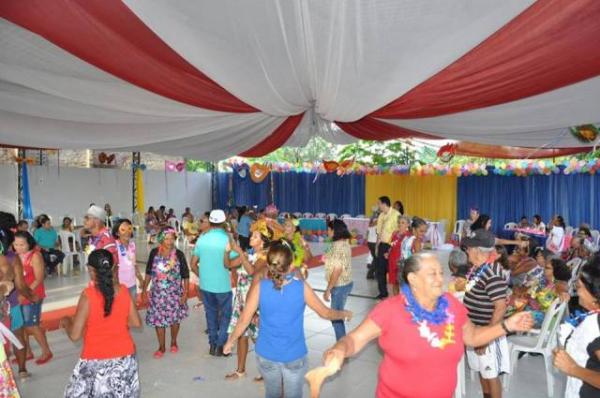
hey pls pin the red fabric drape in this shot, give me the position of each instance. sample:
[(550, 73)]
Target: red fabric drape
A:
[(369, 128), (275, 139), (511, 152), (108, 35), (550, 45)]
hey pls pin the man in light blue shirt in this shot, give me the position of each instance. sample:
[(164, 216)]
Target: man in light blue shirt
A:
[(244, 229), (208, 262)]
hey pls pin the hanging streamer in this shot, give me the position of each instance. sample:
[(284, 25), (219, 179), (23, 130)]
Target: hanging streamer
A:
[(27, 210), (272, 188), (139, 180)]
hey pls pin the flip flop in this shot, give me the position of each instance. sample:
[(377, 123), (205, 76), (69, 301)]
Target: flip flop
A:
[(42, 361), (174, 349), (235, 376), (158, 354)]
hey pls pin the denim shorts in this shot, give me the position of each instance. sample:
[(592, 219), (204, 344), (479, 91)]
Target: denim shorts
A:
[(32, 314)]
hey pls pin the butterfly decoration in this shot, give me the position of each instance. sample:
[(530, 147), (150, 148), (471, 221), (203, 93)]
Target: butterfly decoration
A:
[(175, 166), (103, 158), (21, 160), (586, 133), (341, 168), (242, 169)]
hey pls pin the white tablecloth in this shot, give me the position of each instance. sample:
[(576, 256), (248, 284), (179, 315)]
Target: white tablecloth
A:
[(361, 225)]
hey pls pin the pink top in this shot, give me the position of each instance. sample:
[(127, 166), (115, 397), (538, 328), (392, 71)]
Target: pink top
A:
[(126, 263)]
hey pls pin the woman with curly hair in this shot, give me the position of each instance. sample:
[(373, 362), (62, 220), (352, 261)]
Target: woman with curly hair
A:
[(105, 312), (168, 270), (281, 297)]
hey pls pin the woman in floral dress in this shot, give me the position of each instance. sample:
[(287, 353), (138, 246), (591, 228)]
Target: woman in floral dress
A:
[(169, 273), (252, 266)]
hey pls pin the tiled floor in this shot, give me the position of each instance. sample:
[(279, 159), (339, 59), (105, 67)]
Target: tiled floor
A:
[(192, 373)]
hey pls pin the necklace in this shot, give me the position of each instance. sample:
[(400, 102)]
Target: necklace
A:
[(422, 317), (476, 278)]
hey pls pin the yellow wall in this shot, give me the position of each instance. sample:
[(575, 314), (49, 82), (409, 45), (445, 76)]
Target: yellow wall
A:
[(429, 197)]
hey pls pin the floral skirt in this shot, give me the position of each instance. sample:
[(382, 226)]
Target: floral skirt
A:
[(244, 282), (105, 378), (8, 387), (164, 308)]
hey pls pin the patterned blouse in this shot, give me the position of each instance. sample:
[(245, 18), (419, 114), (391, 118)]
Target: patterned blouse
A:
[(339, 255)]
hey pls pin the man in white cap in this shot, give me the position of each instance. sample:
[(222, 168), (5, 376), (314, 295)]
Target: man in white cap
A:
[(100, 236), (214, 279)]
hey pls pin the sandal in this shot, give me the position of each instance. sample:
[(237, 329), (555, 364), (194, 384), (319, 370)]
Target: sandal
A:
[(24, 374), (42, 361), (258, 379), (158, 354), (235, 375), (174, 349)]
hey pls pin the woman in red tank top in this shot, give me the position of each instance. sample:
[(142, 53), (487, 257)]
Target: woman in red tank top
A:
[(105, 312), (33, 275)]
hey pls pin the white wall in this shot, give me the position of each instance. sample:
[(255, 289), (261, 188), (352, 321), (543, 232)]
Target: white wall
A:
[(63, 191), (178, 190), (8, 188)]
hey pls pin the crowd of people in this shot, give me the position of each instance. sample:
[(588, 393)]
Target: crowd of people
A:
[(250, 268)]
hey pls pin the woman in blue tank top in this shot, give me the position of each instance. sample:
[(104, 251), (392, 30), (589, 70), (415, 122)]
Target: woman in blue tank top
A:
[(281, 347)]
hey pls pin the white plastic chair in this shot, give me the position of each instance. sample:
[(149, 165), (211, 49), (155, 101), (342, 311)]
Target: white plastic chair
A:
[(575, 266), (332, 216), (569, 231), (69, 251), (458, 229), (510, 225), (320, 215), (595, 236), (542, 343), (345, 216), (175, 224), (361, 216), (297, 214), (307, 215)]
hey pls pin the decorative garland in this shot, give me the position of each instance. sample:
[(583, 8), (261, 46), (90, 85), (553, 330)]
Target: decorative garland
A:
[(472, 282), (520, 168), (422, 318), (175, 166)]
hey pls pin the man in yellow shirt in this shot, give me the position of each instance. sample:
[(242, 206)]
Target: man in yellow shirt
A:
[(386, 224)]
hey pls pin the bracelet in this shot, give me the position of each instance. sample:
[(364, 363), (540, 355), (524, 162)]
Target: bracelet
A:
[(503, 324)]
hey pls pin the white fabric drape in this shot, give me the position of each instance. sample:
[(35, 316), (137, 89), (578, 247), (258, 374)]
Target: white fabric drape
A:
[(49, 98), (350, 57), (533, 122)]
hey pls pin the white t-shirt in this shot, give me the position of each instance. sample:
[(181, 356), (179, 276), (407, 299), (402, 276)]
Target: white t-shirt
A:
[(556, 239), (540, 227), (372, 234), (585, 338)]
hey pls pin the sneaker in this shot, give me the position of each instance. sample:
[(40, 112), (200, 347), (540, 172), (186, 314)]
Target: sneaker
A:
[(213, 350)]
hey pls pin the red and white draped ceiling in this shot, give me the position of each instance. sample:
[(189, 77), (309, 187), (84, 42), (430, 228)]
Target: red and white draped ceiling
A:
[(215, 78)]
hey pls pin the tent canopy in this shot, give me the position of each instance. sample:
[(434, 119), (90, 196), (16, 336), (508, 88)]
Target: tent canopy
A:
[(212, 79)]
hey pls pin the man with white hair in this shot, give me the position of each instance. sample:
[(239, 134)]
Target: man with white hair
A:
[(100, 236), (485, 300)]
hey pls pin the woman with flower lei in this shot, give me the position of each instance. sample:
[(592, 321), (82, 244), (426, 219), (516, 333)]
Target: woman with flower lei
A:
[(169, 273), (300, 248), (537, 297), (422, 333)]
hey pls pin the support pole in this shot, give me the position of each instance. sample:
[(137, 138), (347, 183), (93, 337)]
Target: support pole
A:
[(135, 163), (214, 184)]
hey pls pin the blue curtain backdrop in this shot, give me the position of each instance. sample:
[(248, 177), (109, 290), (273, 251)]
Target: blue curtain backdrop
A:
[(504, 199), (297, 192)]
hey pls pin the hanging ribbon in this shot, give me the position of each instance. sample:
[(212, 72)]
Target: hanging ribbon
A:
[(230, 199), (272, 188), (139, 181), (27, 210)]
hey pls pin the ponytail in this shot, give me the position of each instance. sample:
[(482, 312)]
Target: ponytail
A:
[(279, 259), (102, 262)]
